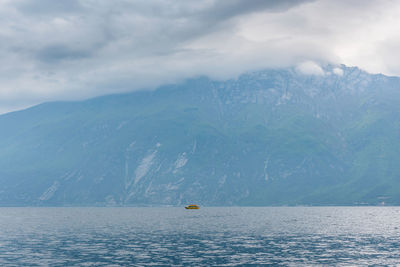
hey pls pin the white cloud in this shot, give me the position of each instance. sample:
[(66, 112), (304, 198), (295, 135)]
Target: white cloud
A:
[(82, 48), (338, 71), (310, 68)]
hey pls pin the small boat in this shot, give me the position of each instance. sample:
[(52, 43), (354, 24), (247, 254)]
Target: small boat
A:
[(192, 207)]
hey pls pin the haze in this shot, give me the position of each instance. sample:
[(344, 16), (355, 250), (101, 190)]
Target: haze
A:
[(66, 50)]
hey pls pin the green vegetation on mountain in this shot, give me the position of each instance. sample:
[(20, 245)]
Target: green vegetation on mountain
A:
[(273, 137)]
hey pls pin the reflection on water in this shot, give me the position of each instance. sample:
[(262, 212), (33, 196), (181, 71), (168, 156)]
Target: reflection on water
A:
[(209, 236)]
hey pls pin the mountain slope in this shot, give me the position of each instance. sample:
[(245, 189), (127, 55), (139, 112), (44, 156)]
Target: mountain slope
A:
[(273, 137)]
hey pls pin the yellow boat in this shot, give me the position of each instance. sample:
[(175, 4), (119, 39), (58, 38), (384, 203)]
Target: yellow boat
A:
[(192, 207)]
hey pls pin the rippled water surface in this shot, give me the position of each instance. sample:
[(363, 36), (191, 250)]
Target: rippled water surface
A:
[(209, 236)]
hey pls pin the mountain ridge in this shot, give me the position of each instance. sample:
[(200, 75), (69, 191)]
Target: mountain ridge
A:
[(269, 137)]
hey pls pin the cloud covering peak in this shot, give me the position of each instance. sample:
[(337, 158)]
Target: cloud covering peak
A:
[(55, 50)]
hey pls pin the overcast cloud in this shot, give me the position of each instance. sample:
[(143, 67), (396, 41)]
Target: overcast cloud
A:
[(74, 49)]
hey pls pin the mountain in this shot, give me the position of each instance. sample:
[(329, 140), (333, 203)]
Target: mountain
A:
[(270, 137)]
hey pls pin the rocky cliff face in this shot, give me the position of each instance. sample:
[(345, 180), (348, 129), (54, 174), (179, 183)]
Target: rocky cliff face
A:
[(271, 137)]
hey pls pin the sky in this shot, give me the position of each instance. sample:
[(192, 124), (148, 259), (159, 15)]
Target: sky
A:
[(76, 49)]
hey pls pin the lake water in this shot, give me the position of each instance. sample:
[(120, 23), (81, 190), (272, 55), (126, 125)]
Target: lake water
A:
[(293, 236)]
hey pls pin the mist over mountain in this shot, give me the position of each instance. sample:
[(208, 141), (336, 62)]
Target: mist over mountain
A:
[(270, 137)]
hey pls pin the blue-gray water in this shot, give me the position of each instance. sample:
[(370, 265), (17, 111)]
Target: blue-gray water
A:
[(209, 236)]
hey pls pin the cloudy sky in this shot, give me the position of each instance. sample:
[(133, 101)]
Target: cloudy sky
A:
[(75, 49)]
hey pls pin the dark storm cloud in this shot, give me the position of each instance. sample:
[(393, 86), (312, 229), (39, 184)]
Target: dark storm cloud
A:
[(221, 10), (136, 28), (54, 53)]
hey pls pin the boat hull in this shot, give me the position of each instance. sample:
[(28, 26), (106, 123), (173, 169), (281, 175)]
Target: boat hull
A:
[(192, 207)]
